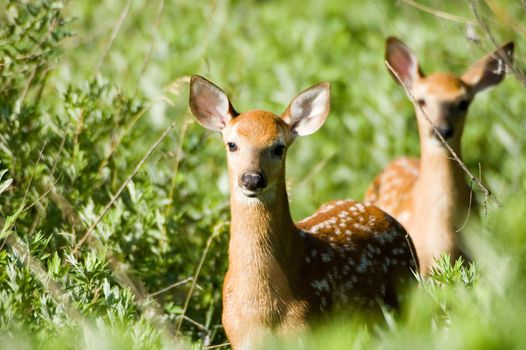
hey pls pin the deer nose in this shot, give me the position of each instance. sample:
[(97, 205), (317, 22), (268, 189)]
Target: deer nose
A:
[(446, 131), (253, 181)]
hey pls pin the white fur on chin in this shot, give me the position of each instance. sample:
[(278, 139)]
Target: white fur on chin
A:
[(240, 195)]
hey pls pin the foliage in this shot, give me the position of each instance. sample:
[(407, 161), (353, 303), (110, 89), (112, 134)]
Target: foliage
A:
[(83, 96)]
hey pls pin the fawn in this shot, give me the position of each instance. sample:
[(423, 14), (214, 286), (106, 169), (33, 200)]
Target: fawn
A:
[(429, 196), (281, 275)]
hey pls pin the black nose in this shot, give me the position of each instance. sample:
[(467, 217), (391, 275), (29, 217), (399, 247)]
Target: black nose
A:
[(446, 131), (253, 180)]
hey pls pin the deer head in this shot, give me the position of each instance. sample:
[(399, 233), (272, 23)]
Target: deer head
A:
[(257, 141), (444, 97)]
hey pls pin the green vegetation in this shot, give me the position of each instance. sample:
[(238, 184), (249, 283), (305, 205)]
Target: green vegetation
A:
[(88, 87)]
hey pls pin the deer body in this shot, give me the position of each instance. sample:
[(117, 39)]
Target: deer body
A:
[(429, 196), (282, 275)]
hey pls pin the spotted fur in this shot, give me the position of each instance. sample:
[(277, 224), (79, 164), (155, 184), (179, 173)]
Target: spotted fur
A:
[(356, 255), (391, 189)]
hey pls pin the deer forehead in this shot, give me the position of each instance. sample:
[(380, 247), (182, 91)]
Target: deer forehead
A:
[(443, 86), (257, 128)]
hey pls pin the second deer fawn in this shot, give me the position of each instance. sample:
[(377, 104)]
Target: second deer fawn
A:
[(429, 196), (281, 275)]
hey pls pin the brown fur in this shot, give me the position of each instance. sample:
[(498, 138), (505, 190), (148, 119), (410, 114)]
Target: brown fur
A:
[(444, 84), (430, 197), (282, 275), (263, 128)]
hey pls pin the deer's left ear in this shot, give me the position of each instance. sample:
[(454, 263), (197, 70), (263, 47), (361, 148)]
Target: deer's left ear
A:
[(489, 70), (209, 104), (402, 61), (308, 111)]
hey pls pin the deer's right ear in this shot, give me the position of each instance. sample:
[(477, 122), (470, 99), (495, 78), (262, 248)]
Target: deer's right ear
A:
[(209, 104), (490, 70), (308, 110), (402, 61)]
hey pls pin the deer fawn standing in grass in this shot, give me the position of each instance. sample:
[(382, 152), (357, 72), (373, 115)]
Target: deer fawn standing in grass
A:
[(282, 274), (429, 196)]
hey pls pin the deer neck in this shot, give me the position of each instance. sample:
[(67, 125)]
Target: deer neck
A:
[(264, 251), (262, 232), (441, 187)]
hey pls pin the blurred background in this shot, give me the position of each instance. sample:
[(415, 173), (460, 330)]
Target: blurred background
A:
[(109, 242)]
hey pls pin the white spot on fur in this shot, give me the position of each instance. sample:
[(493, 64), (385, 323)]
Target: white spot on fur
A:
[(320, 285), (326, 257)]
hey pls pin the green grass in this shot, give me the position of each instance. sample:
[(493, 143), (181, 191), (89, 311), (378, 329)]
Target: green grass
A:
[(79, 110)]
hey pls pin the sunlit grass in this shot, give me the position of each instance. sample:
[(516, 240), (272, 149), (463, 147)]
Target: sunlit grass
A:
[(75, 122)]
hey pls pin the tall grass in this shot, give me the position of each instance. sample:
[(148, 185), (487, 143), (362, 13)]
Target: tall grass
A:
[(88, 87)]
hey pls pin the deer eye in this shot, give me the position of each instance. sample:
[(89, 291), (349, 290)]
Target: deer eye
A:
[(232, 147), (421, 102), (463, 105), (278, 150)]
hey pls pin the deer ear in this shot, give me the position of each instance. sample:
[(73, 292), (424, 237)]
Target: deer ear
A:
[(308, 111), (402, 61), (489, 70), (209, 104)]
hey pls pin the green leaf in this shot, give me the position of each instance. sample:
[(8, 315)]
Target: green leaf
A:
[(10, 221), (5, 185)]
